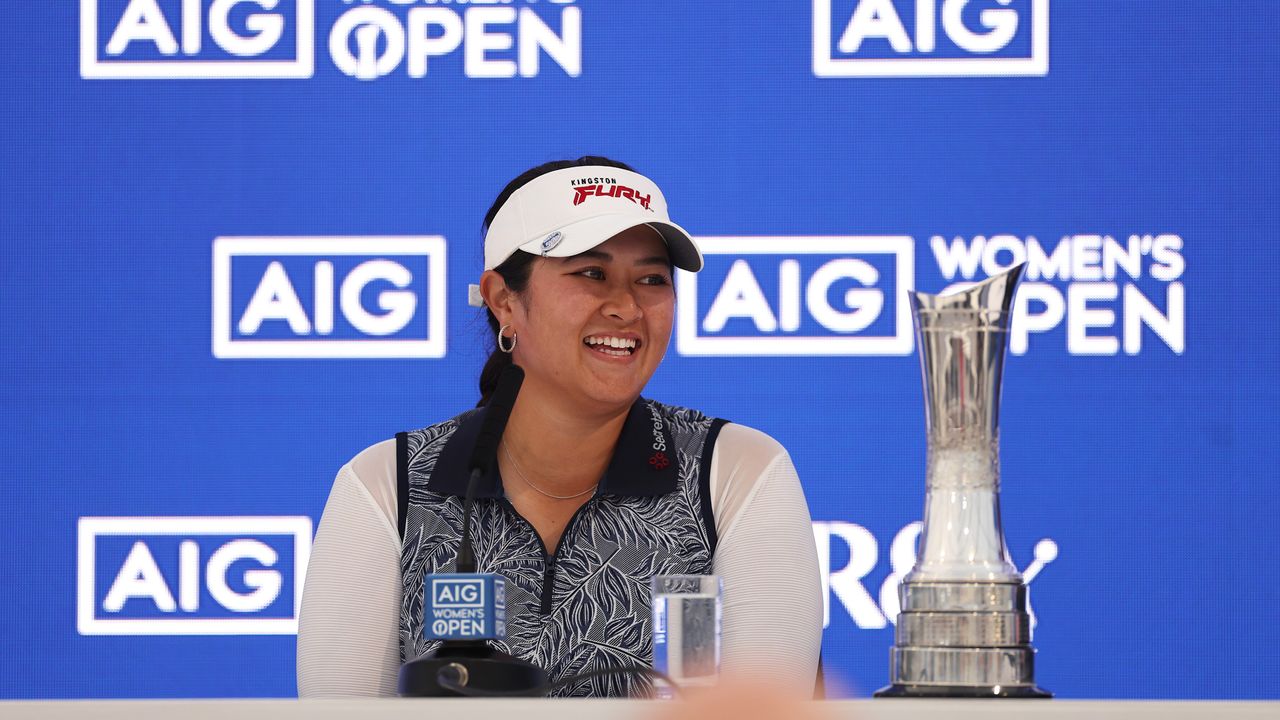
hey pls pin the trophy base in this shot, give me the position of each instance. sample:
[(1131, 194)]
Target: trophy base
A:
[(962, 691)]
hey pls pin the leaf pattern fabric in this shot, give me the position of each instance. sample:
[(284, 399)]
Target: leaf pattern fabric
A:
[(600, 613)]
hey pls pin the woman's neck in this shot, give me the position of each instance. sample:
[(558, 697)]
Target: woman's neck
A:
[(557, 444)]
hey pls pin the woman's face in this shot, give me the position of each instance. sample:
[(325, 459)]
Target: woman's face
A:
[(595, 326)]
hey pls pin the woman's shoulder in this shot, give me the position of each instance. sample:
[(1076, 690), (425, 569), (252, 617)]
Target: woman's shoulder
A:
[(734, 440), (374, 468), (377, 460), (744, 460), (442, 429)]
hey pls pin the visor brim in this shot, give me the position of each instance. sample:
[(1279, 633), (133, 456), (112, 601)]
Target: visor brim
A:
[(580, 236)]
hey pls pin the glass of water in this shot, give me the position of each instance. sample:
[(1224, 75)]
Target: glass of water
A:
[(686, 630)]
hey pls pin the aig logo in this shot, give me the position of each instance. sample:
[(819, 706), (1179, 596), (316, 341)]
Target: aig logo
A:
[(458, 594), (150, 39), (921, 38), (798, 296), (191, 575), (329, 297)]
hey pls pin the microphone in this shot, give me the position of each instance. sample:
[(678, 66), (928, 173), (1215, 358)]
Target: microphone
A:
[(496, 415), (465, 609)]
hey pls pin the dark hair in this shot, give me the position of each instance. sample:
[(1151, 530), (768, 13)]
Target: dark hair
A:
[(515, 270)]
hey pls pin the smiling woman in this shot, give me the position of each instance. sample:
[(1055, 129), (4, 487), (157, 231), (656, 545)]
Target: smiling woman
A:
[(595, 490), (592, 327)]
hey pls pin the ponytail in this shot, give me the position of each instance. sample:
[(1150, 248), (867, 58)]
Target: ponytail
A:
[(493, 367), (515, 272)]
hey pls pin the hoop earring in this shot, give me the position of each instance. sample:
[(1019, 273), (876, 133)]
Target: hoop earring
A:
[(503, 347)]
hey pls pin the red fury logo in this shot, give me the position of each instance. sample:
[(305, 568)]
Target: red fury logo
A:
[(582, 192)]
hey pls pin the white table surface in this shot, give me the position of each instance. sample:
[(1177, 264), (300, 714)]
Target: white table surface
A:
[(526, 709)]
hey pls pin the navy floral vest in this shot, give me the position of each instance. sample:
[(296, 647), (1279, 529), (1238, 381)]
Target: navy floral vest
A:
[(586, 606)]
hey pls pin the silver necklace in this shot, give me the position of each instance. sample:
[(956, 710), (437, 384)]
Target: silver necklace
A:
[(516, 466)]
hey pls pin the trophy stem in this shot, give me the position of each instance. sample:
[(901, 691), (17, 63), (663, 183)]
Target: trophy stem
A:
[(964, 630)]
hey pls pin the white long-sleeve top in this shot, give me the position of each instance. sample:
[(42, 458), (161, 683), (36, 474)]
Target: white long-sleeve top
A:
[(348, 631)]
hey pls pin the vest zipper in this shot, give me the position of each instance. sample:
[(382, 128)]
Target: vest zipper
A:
[(548, 582), (548, 559)]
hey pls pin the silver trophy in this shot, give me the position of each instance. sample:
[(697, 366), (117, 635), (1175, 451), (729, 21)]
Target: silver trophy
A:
[(964, 629)]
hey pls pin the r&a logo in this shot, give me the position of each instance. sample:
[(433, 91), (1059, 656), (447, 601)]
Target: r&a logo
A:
[(191, 575), (798, 296), (329, 297), (848, 585), (151, 39), (978, 37)]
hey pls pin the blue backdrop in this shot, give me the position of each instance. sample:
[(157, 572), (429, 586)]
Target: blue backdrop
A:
[(161, 157)]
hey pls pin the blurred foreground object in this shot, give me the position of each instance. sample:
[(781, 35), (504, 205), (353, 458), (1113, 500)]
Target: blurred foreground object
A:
[(738, 700)]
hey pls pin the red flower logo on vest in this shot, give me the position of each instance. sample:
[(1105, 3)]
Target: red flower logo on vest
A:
[(659, 461)]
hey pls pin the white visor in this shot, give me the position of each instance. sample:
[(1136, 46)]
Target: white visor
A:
[(570, 211)]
